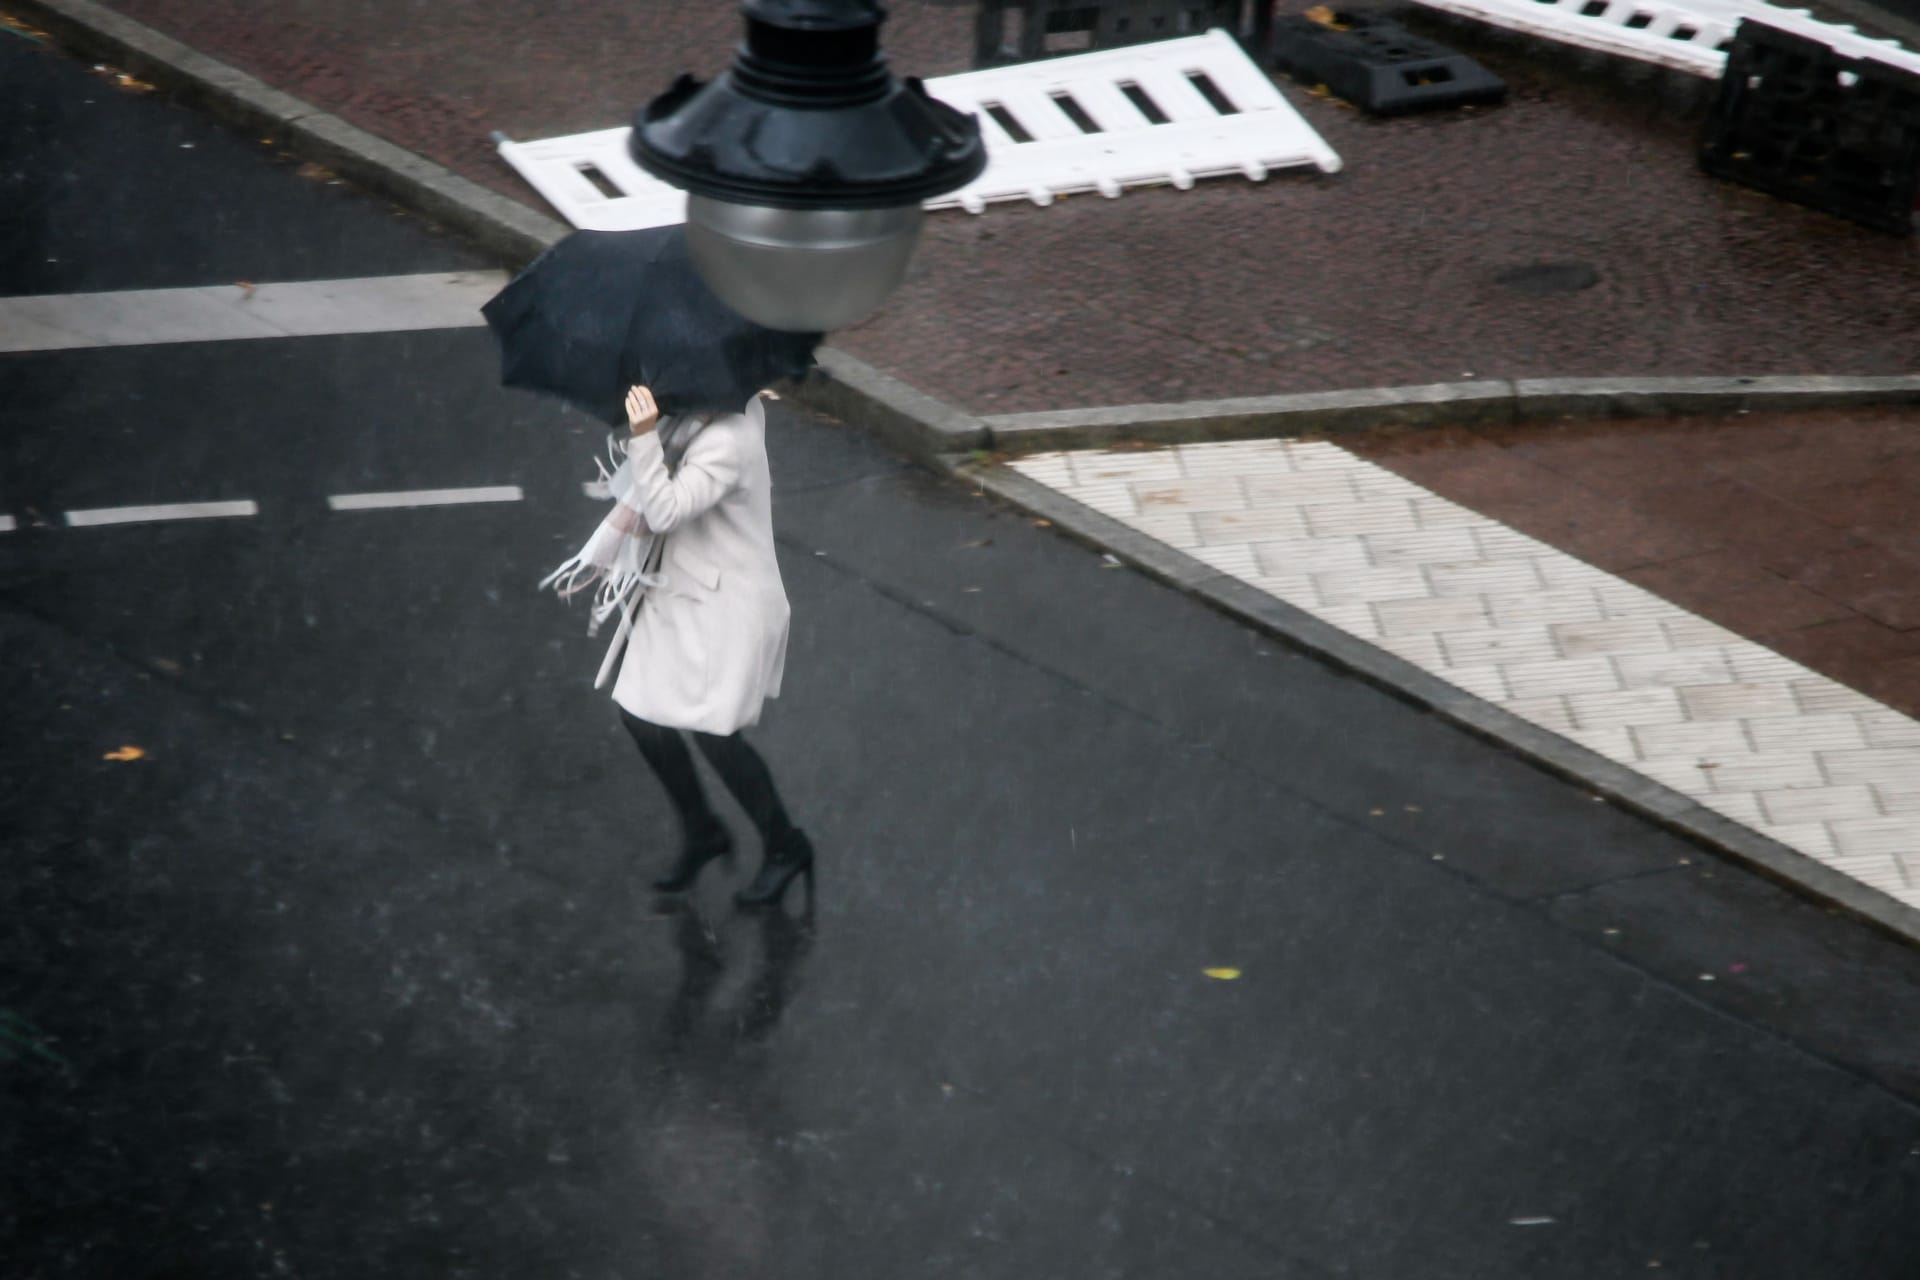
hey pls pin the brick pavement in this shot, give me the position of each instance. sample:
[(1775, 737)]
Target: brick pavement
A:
[(1388, 273)]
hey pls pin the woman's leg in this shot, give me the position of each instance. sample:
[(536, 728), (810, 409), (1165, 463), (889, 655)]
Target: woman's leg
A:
[(789, 853), (666, 752), (751, 783)]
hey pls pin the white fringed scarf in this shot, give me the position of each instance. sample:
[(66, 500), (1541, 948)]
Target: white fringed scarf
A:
[(621, 560)]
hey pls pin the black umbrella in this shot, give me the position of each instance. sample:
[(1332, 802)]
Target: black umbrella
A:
[(603, 310)]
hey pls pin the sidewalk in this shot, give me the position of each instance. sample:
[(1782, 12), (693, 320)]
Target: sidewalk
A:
[(1414, 265), (1389, 273)]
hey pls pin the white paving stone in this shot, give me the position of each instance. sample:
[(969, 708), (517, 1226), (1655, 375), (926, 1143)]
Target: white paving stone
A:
[(1238, 457), (1746, 732), (1804, 735), (1568, 604), (1889, 729), (1484, 577), (1253, 525), (1364, 586), (1558, 675), (1293, 488), (1421, 547), (1627, 635), (1708, 740), (1499, 645), (1733, 701), (1397, 617), (1675, 669), (1155, 465), (1633, 707), (1205, 493), (1819, 804)]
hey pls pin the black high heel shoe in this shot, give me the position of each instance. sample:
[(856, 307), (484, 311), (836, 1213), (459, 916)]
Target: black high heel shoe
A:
[(696, 853), (785, 864)]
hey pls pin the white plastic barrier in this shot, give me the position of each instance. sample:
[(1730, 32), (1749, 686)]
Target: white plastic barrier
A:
[(1690, 36), (1169, 112), (1145, 115)]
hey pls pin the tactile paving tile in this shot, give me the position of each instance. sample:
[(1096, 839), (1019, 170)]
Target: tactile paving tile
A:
[(1746, 732)]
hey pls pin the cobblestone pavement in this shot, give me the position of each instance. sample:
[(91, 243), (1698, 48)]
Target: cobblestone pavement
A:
[(1420, 262), (1571, 648)]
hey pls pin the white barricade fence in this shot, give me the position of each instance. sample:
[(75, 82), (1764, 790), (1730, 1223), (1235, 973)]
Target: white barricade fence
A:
[(1170, 112), (1693, 35)]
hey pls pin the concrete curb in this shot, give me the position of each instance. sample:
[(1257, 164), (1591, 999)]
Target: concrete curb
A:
[(1434, 405), (942, 436), (1548, 750)]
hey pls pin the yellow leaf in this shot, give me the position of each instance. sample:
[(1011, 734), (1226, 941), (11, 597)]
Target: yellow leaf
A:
[(125, 753), (1224, 975)]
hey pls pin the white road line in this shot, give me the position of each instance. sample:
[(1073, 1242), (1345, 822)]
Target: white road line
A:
[(168, 511), (423, 498), (6, 524), (373, 304)]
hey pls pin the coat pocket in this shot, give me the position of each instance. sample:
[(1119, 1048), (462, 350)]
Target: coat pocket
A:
[(685, 562)]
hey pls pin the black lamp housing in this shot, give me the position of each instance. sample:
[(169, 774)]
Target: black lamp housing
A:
[(806, 164), (808, 117)]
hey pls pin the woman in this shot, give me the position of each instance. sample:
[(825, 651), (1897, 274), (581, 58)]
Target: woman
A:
[(709, 637)]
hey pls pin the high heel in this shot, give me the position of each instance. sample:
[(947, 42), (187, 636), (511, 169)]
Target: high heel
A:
[(696, 853), (784, 865)]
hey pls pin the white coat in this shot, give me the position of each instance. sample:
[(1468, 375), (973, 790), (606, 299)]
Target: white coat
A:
[(709, 644)]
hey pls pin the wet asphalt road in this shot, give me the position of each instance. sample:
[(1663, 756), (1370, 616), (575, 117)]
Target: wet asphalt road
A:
[(354, 973)]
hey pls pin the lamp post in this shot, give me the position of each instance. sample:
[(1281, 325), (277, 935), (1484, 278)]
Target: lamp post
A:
[(805, 164)]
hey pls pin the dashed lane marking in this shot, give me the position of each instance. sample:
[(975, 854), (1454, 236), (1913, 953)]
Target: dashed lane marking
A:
[(423, 498), (307, 308), (6, 524), (167, 511)]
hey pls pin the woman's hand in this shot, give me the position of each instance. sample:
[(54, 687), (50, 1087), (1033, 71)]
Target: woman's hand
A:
[(642, 413)]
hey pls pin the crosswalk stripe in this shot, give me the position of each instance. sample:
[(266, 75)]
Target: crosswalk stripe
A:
[(310, 308), (423, 498), (165, 511)]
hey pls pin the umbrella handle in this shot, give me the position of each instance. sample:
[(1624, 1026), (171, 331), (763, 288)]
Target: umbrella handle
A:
[(619, 641)]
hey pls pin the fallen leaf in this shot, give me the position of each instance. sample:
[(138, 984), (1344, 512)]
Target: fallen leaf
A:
[(1224, 975), (125, 753), (1043, 524)]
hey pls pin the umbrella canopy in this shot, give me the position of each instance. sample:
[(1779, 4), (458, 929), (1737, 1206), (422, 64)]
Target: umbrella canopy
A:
[(603, 310)]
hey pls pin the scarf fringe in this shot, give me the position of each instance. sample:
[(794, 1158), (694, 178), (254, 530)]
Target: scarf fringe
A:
[(613, 561)]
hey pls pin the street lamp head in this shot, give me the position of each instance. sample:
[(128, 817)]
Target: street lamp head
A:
[(805, 164)]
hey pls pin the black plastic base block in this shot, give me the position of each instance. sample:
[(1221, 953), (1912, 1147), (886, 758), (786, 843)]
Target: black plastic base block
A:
[(1380, 66), (1797, 120)]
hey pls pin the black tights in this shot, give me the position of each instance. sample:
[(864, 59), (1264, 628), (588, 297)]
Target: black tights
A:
[(732, 757)]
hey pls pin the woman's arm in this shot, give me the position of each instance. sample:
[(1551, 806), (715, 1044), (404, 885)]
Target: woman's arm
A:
[(709, 471)]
